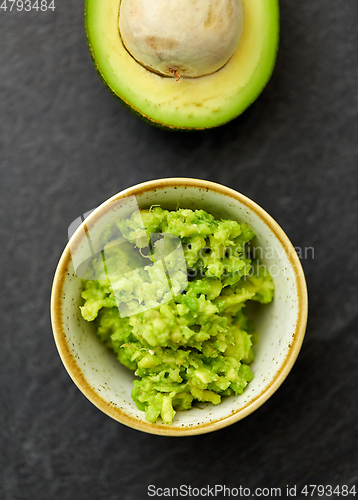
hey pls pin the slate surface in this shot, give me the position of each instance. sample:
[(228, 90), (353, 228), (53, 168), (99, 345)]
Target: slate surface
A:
[(66, 146)]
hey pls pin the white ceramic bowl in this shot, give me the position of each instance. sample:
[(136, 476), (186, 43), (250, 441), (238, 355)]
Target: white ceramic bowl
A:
[(281, 325)]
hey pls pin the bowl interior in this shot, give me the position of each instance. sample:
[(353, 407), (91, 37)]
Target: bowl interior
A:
[(108, 384)]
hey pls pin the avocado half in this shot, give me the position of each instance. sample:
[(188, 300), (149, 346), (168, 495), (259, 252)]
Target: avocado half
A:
[(191, 103)]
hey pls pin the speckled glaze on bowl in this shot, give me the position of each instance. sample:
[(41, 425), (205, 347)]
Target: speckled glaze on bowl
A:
[(281, 325)]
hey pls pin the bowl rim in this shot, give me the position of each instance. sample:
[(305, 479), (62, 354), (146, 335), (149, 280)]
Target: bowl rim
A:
[(166, 430)]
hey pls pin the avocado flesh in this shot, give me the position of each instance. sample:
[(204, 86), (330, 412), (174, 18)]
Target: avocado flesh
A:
[(192, 103)]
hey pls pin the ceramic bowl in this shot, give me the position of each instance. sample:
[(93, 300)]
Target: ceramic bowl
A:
[(281, 324)]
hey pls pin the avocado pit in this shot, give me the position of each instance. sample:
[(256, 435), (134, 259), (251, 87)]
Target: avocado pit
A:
[(181, 38)]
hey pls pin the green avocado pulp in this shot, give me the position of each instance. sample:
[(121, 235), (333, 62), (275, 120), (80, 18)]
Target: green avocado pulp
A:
[(191, 103), (169, 299)]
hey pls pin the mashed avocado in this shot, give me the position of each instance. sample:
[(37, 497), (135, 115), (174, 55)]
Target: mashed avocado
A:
[(169, 298)]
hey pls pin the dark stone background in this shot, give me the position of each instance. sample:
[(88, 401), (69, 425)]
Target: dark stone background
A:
[(66, 146)]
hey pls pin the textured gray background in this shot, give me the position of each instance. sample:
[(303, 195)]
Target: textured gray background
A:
[(67, 145)]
